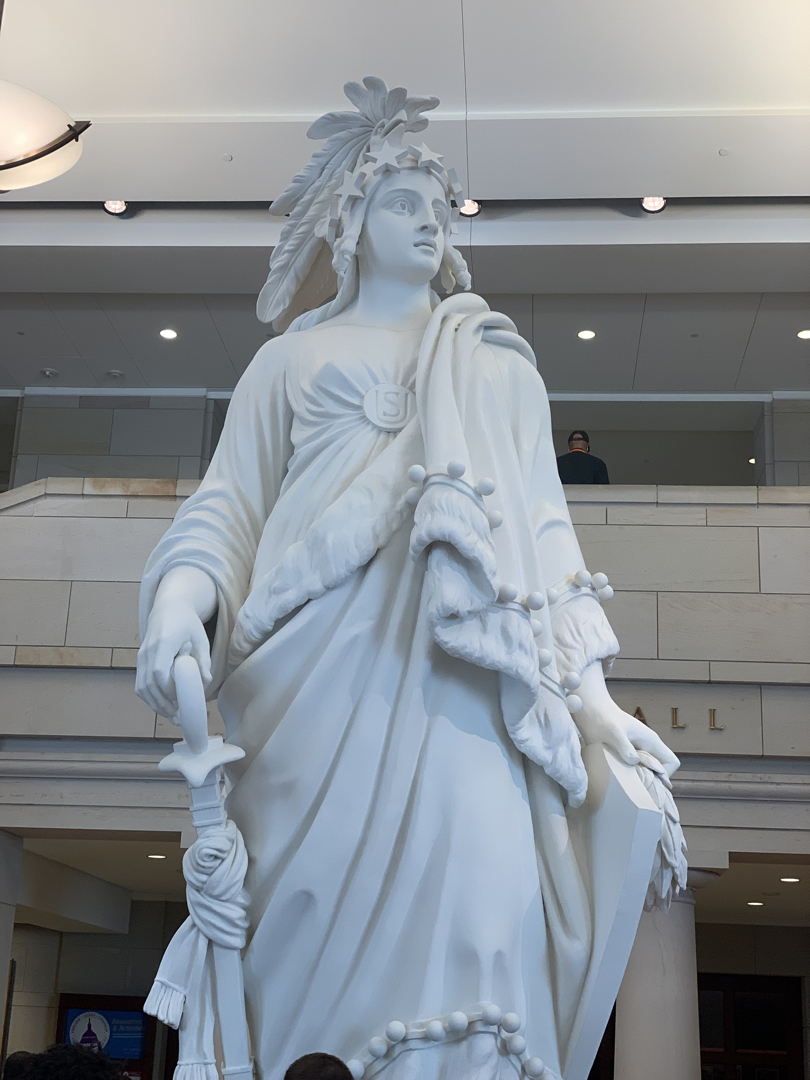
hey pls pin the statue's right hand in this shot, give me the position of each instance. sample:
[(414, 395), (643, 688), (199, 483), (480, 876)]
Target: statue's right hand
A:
[(174, 629)]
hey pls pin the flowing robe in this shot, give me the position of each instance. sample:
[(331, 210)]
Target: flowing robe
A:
[(408, 763)]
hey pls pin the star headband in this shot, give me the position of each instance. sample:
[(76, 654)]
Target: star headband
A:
[(379, 163)]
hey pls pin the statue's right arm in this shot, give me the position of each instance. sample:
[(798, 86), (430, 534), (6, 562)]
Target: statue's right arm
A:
[(202, 566)]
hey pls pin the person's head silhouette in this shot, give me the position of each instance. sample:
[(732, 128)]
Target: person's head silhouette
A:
[(318, 1067)]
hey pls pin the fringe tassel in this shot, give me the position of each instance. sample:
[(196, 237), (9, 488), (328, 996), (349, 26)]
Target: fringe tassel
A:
[(166, 1003), (196, 1070)]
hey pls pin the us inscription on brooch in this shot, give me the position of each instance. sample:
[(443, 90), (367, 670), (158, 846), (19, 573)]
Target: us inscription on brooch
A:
[(389, 406)]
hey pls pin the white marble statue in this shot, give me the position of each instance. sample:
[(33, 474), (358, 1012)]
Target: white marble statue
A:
[(407, 646)]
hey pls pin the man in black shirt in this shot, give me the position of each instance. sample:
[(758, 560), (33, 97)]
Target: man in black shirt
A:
[(579, 466)]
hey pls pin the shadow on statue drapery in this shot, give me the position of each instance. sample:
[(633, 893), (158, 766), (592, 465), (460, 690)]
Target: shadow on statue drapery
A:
[(603, 1066)]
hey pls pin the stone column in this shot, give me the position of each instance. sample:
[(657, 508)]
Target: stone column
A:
[(657, 1007), (10, 874)]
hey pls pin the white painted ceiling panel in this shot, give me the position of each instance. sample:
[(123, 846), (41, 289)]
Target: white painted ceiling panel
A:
[(29, 329), (197, 357), (89, 329), (607, 362), (565, 56), (238, 327), (32, 339), (642, 344), (245, 58), (694, 340), (561, 99), (615, 157), (776, 359), (72, 371)]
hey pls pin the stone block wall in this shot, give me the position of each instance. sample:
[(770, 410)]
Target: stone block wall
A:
[(712, 606)]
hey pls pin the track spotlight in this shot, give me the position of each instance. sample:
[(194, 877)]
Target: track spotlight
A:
[(115, 207), (470, 208), (653, 204)]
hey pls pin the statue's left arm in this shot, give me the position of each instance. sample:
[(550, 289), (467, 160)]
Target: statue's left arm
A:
[(584, 642)]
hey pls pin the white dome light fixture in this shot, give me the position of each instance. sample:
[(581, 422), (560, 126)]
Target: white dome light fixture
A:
[(115, 207), (38, 140), (653, 204), (471, 208), (804, 335), (168, 334), (586, 335)]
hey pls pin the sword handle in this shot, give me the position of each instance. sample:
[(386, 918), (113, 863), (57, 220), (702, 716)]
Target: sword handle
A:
[(192, 715)]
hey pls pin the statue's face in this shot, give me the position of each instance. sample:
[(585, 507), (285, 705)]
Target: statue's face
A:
[(405, 226)]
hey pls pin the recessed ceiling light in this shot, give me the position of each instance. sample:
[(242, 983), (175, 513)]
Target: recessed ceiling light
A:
[(755, 903), (170, 335), (653, 204), (471, 208), (49, 372), (793, 879), (115, 373), (752, 461), (156, 856), (586, 335), (115, 207), (804, 335)]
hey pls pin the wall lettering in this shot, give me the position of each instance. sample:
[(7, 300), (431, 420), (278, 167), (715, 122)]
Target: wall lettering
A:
[(713, 725)]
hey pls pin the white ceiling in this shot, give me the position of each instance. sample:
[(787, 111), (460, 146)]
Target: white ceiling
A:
[(83, 336), (783, 903), (124, 862), (248, 58), (553, 100), (668, 343)]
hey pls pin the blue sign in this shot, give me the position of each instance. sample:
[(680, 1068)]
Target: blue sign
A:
[(119, 1033)]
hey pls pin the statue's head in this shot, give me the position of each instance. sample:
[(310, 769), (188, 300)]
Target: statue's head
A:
[(371, 201), (405, 227)]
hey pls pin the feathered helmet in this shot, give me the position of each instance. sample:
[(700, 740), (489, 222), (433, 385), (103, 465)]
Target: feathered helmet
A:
[(315, 255)]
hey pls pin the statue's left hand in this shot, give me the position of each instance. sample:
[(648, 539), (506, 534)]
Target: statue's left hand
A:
[(601, 720)]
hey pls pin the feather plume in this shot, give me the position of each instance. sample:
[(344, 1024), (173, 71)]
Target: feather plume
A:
[(308, 197)]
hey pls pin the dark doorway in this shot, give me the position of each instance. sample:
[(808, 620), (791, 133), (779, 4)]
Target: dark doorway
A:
[(603, 1065), (750, 1027)]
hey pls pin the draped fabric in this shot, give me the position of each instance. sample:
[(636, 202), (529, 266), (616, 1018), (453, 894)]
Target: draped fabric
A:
[(182, 995), (407, 763)]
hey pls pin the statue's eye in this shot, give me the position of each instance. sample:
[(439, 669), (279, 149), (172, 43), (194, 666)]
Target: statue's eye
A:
[(402, 206)]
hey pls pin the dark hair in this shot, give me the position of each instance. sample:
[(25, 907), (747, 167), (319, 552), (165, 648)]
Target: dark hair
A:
[(63, 1062), (18, 1065), (318, 1067), (579, 434)]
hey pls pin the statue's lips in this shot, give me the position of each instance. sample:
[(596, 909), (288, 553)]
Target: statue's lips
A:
[(431, 245)]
